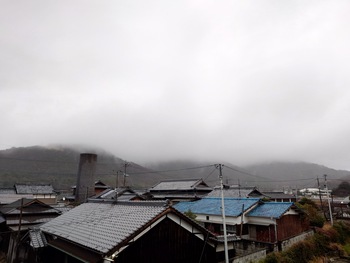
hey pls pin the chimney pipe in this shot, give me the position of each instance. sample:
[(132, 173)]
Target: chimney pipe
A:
[(86, 177)]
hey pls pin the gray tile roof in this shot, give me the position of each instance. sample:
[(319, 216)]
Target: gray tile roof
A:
[(10, 198), (230, 193), (7, 191), (30, 206), (119, 193), (189, 184), (102, 226), (34, 189), (37, 238), (278, 195)]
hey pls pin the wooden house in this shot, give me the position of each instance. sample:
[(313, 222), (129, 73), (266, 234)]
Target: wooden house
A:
[(251, 219), (99, 187), (43, 192), (273, 222), (237, 192), (208, 211), (279, 197), (137, 231), (180, 190), (15, 221), (119, 194)]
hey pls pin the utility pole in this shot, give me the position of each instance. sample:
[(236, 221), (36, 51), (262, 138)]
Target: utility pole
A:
[(16, 240), (117, 179), (239, 188), (126, 164), (219, 166), (329, 203), (319, 193)]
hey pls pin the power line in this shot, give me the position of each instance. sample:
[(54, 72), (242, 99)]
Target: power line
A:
[(174, 170), (244, 172)]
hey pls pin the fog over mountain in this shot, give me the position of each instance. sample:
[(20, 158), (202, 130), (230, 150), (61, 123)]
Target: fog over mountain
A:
[(58, 165), (154, 81)]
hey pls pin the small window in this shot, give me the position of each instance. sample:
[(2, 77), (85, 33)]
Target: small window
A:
[(229, 228), (207, 217)]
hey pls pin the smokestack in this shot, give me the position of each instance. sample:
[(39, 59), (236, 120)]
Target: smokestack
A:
[(86, 177)]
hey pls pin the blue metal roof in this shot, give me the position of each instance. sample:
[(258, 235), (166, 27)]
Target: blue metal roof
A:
[(212, 205), (271, 209)]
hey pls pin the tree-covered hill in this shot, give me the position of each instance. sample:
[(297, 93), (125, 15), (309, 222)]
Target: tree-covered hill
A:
[(59, 165)]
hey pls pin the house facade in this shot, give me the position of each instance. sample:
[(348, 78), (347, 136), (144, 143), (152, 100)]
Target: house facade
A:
[(274, 222), (269, 223)]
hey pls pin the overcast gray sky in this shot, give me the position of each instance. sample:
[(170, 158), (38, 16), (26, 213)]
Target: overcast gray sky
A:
[(237, 81)]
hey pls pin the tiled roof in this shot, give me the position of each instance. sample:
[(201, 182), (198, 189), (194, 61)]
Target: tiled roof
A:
[(37, 238), (189, 184), (34, 189), (120, 194), (278, 195), (7, 191), (270, 209), (234, 192), (211, 206), (30, 206), (10, 198), (102, 226)]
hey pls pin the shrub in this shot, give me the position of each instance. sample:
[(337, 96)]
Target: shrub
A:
[(343, 230), (271, 258), (301, 252), (190, 214), (347, 249)]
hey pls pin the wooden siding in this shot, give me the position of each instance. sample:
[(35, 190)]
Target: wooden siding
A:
[(167, 242), (289, 226)]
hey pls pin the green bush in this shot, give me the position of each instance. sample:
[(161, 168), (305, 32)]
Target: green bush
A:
[(343, 230), (300, 252), (346, 248), (271, 258), (312, 212)]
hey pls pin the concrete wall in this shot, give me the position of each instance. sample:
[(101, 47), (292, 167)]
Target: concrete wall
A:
[(289, 242), (252, 257)]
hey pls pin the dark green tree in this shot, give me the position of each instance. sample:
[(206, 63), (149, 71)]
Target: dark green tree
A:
[(343, 189)]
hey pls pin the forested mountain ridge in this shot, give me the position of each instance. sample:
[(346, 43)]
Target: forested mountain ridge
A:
[(58, 165)]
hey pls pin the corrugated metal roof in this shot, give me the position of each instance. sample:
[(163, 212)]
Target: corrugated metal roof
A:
[(270, 209), (102, 226), (211, 206), (34, 189)]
